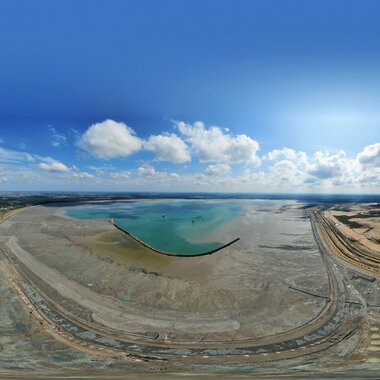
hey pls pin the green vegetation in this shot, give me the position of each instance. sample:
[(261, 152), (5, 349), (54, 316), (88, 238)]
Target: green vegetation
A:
[(370, 214), (346, 220)]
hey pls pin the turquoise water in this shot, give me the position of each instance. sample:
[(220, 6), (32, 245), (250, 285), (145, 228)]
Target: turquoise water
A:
[(185, 222)]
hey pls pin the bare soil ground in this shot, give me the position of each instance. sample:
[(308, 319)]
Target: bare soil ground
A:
[(270, 284), (238, 292), (360, 222)]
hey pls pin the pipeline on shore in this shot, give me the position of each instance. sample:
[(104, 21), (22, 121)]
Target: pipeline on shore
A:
[(112, 221)]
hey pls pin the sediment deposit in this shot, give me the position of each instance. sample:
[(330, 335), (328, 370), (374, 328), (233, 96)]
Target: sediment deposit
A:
[(282, 295)]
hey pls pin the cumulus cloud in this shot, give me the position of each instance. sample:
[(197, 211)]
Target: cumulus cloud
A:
[(153, 179), (110, 139), (168, 147), (218, 170), (214, 144), (322, 169), (174, 175), (54, 167), (284, 168), (369, 178), (368, 160), (287, 173), (370, 156), (328, 165), (120, 175), (287, 153), (146, 170)]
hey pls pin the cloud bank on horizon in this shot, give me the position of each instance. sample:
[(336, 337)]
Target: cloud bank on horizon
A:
[(199, 158)]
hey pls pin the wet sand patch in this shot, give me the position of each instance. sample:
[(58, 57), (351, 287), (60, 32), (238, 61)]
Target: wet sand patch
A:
[(115, 247)]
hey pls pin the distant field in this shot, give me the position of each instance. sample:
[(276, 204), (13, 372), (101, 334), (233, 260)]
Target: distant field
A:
[(346, 220)]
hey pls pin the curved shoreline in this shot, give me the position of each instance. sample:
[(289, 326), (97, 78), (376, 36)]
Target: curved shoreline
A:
[(112, 221)]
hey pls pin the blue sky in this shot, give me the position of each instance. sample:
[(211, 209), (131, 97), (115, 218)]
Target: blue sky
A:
[(273, 96)]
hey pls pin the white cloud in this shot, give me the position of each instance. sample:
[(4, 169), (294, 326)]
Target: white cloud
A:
[(369, 178), (284, 169), (253, 178), (286, 172), (218, 169), (213, 144), (370, 156), (327, 166), (287, 153), (168, 147), (120, 175), (146, 170), (324, 170), (54, 167), (102, 170), (44, 158), (110, 139), (7, 155), (57, 139), (83, 175), (153, 179)]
